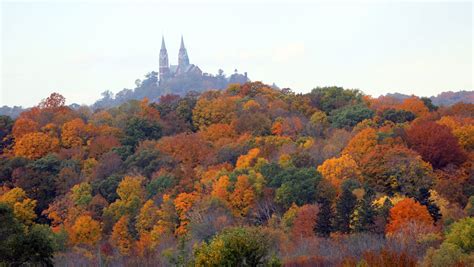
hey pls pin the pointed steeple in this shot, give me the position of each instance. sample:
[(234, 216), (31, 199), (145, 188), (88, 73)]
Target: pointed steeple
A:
[(164, 64), (183, 59), (163, 46), (182, 43)]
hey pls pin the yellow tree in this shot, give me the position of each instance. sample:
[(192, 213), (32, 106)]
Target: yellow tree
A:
[(85, 231), (145, 245), (130, 194), (74, 133), (414, 105), (218, 131), (217, 110), (336, 170), (220, 188), (35, 145), (81, 194), (121, 238), (319, 118), (251, 105), (23, 207), (147, 217), (159, 231), (10, 197), (25, 210), (462, 128), (361, 144), (23, 126), (183, 203), (130, 187), (246, 161), (289, 217), (243, 196)]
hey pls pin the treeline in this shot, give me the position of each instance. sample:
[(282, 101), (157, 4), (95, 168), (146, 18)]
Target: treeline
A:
[(180, 85), (244, 176)]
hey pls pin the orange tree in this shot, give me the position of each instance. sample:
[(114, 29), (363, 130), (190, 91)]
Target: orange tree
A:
[(405, 212), (35, 145)]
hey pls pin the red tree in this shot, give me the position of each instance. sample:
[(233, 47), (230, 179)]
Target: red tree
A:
[(435, 143)]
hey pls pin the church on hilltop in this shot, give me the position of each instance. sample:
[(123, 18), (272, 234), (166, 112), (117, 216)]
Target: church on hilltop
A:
[(168, 72), (186, 76)]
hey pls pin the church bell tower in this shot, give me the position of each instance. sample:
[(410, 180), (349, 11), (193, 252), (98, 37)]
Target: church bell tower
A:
[(183, 59), (164, 63)]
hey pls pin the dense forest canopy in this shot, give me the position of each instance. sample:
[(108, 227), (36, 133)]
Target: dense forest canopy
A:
[(245, 176)]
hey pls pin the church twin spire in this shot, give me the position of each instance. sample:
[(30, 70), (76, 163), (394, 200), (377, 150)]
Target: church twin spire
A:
[(183, 59), (164, 62)]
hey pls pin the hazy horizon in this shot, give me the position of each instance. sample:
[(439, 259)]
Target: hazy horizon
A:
[(82, 49)]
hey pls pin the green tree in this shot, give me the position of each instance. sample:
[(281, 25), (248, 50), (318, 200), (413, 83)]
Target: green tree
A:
[(331, 98), (107, 187), (461, 234), (469, 209), (295, 185), (349, 116), (21, 245), (344, 208), (447, 255), (147, 161), (396, 169), (423, 197), (9, 229), (82, 194), (6, 138), (365, 211), (398, 115), (457, 248), (138, 129), (323, 222), (429, 104), (239, 246), (160, 184), (35, 247)]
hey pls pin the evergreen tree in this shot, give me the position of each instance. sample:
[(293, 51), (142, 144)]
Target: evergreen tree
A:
[(382, 216), (344, 208), (21, 245), (365, 211), (34, 248), (423, 198), (323, 223), (385, 210)]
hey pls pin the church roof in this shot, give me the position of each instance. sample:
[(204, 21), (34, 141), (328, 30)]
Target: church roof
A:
[(173, 68)]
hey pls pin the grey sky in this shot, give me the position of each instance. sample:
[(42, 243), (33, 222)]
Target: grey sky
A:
[(81, 49)]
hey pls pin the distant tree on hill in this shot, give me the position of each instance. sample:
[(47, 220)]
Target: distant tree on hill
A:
[(328, 99)]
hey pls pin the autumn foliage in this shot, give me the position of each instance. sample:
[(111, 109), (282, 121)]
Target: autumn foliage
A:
[(405, 212), (435, 143), (35, 145), (247, 175), (336, 170), (121, 238), (85, 231)]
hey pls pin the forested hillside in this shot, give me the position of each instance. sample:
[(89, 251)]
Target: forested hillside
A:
[(245, 176)]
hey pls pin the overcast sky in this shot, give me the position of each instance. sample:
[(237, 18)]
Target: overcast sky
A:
[(81, 49)]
